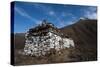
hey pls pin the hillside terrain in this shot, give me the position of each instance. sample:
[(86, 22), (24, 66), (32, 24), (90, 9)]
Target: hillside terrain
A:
[(84, 34)]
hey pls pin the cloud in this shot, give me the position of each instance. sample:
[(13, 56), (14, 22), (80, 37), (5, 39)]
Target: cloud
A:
[(64, 14), (51, 13), (44, 9), (41, 7), (68, 14), (23, 13), (91, 13), (65, 23), (57, 16)]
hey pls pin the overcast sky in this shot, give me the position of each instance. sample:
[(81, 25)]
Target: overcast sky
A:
[(28, 15)]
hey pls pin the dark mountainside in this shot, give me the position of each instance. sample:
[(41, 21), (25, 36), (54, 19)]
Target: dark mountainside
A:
[(84, 34), (19, 40)]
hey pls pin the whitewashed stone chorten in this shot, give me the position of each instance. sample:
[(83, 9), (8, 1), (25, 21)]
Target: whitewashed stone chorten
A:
[(45, 37)]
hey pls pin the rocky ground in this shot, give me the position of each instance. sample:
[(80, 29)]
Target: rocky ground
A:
[(21, 59)]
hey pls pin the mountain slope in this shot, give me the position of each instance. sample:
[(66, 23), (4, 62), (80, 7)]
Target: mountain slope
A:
[(84, 34), (19, 40)]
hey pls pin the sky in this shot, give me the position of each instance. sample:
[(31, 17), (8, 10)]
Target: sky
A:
[(29, 14)]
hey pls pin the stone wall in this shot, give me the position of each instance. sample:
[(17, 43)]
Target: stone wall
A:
[(41, 45)]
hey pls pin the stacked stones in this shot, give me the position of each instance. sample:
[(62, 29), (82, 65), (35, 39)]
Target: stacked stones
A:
[(41, 39)]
